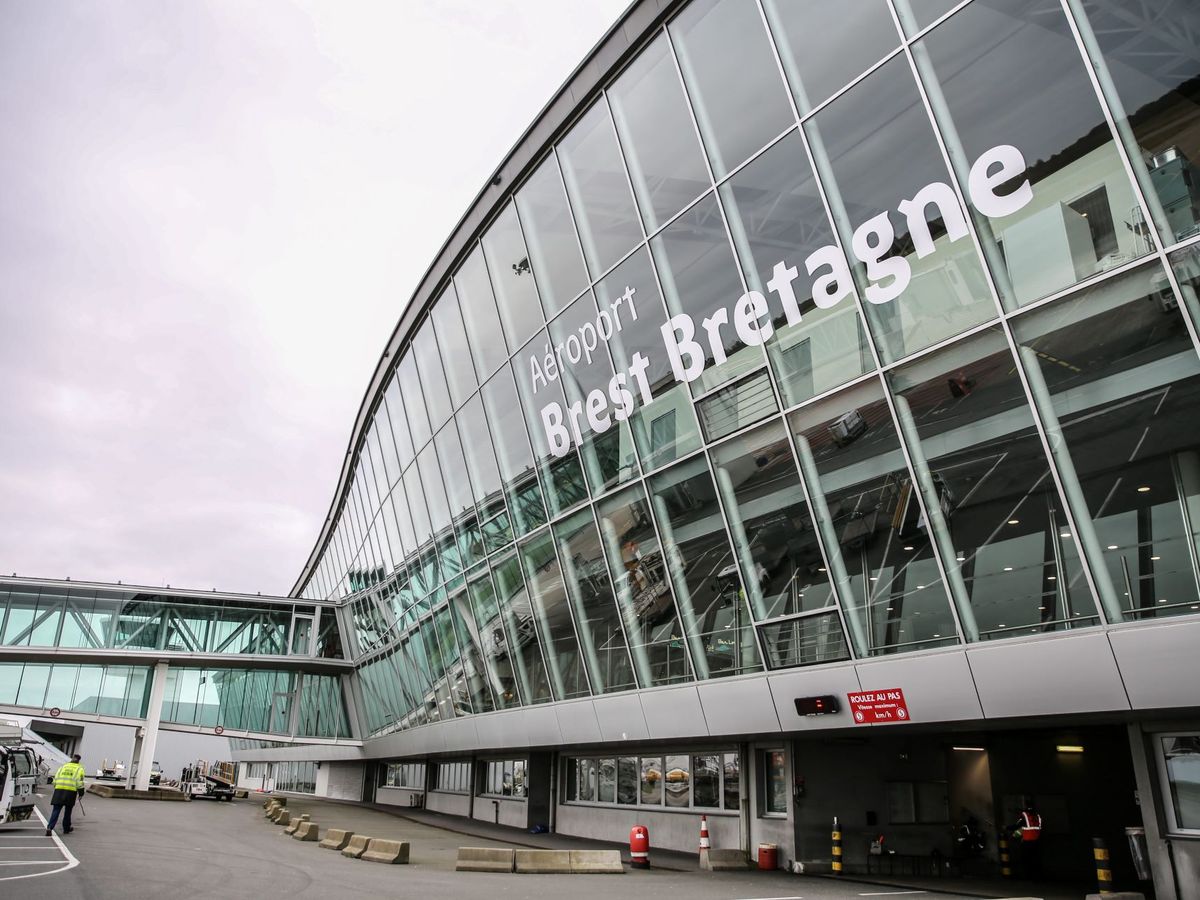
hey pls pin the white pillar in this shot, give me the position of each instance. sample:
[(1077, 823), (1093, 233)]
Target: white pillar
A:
[(145, 760)]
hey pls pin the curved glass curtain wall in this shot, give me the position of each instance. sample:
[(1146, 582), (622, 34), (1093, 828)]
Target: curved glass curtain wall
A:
[(1006, 448)]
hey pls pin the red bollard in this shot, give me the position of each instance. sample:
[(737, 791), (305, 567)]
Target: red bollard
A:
[(639, 847)]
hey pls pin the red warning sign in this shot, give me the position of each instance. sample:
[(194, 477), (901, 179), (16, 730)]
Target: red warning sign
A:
[(878, 706)]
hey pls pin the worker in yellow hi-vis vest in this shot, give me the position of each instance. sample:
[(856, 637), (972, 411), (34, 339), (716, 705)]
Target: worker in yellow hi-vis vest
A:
[(68, 785)]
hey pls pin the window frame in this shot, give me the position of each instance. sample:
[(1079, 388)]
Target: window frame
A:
[(1164, 779)]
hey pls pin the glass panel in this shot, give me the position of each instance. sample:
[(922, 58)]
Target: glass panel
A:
[(452, 343), (479, 314), (513, 452), (779, 226), (678, 781), (824, 46), (803, 641), (33, 685), (657, 134), (703, 569), (1183, 774), (775, 782), (606, 784), (596, 614), (664, 424), (1116, 367), (700, 281), (737, 406), (433, 379), (520, 630), (866, 508), (918, 14), (997, 495), (919, 273), (458, 494), (1019, 56), (87, 689), (587, 780), (475, 670), (652, 781), (493, 642), (627, 780), (772, 529), (599, 189), (732, 781), (10, 682), (512, 278), (21, 608), (706, 781), (607, 450), (550, 231), (553, 444), (486, 485), (414, 405), (1153, 58), (727, 62), (397, 419), (552, 610), (60, 689)]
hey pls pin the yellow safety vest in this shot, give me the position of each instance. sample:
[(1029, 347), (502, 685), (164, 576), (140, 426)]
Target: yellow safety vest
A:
[(69, 777)]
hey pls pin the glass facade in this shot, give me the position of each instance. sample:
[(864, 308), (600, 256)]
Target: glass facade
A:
[(727, 384)]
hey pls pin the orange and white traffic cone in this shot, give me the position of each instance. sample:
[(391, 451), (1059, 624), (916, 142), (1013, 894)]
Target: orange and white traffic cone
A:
[(704, 844)]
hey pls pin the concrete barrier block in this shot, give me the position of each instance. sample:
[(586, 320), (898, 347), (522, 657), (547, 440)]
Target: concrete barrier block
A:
[(484, 859), (543, 862), (306, 832), (727, 860), (596, 862), (357, 846), (295, 823), (283, 817), (392, 853), (336, 839)]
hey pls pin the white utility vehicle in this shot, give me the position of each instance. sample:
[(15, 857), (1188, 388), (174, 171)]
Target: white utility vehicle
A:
[(18, 774)]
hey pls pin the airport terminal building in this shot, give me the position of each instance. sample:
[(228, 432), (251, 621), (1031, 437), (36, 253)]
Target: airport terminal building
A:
[(804, 421)]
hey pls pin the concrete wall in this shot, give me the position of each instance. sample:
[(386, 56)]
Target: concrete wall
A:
[(340, 781), (454, 804), (668, 830), (394, 796), (511, 812)]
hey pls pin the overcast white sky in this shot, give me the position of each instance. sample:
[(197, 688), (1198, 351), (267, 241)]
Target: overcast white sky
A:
[(211, 217)]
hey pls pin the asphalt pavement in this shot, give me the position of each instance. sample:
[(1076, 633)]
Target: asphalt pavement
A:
[(149, 850)]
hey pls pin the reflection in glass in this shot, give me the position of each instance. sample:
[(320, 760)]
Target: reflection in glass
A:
[(1009, 73), (664, 429), (677, 780), (513, 452), (915, 298), (700, 278), (591, 595), (554, 255), (643, 590), (1118, 379), (824, 46), (777, 221), (703, 569), (452, 344), (486, 485), (727, 63), (494, 645), (512, 278), (552, 612), (479, 314), (657, 135), (599, 189), (998, 497), (864, 502), (1150, 54), (520, 630), (652, 781)]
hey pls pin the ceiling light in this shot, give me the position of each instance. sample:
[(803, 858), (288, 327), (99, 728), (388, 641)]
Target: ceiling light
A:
[(1064, 534), (1156, 558), (908, 548), (1112, 546), (889, 609), (1008, 568), (975, 749), (961, 558), (1144, 489), (874, 578), (822, 569), (1052, 578), (1069, 748), (1014, 521), (1042, 608), (1162, 599)]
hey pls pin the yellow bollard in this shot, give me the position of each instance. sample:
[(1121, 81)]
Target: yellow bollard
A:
[(837, 847), (1005, 862), (1103, 871)]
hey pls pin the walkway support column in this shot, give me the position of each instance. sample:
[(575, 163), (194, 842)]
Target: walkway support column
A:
[(145, 760)]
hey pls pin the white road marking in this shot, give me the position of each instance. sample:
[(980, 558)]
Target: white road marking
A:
[(67, 862), (890, 893), (773, 898)]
